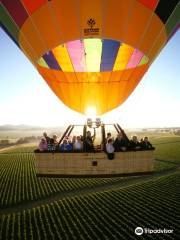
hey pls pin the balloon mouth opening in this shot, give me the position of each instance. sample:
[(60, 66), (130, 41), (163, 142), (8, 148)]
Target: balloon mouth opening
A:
[(92, 55), (91, 112)]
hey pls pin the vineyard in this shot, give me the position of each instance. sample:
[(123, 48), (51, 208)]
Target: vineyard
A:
[(20, 184), (97, 208)]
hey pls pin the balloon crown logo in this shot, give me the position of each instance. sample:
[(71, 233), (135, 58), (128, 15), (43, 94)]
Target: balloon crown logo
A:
[(91, 31), (91, 22)]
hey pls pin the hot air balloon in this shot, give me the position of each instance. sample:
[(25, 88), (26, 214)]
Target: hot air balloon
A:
[(92, 54)]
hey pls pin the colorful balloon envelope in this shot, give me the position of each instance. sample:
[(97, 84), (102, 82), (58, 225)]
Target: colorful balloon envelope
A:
[(91, 53)]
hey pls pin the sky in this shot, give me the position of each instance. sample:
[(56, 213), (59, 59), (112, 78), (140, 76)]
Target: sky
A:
[(25, 98)]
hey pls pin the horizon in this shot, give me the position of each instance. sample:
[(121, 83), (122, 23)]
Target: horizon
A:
[(61, 126)]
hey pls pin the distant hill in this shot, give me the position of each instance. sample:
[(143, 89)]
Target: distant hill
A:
[(23, 127), (9, 127)]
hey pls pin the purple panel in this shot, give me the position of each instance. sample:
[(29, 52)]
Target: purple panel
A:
[(51, 61), (16, 10)]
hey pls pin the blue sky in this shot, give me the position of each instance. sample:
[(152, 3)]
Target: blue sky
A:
[(25, 98)]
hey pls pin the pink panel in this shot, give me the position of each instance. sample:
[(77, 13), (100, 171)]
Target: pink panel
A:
[(135, 59), (77, 55)]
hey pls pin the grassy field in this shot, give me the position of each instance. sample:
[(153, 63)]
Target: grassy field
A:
[(167, 148), (167, 151), (111, 208)]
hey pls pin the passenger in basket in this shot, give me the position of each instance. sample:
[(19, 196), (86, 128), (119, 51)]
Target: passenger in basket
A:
[(120, 143), (135, 144), (110, 149), (108, 136), (146, 145), (81, 137), (46, 137), (42, 145), (89, 142), (74, 139), (65, 146), (78, 144), (53, 143)]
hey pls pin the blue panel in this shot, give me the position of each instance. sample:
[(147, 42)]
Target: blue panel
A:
[(109, 52), (51, 61)]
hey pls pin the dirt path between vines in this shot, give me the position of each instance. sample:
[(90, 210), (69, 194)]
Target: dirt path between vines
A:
[(87, 190)]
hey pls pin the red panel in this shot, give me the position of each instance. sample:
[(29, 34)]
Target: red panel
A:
[(151, 4), (16, 10), (31, 6)]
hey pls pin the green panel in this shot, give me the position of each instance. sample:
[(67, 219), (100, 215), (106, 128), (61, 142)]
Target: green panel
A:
[(143, 60), (6, 21), (42, 63), (173, 20)]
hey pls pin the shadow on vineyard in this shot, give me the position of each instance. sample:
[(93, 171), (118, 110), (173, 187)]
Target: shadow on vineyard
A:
[(97, 208)]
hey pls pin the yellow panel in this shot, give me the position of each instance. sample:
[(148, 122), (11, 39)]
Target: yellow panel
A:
[(62, 56), (123, 57)]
